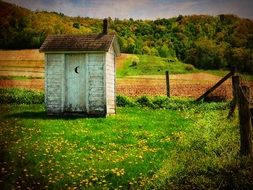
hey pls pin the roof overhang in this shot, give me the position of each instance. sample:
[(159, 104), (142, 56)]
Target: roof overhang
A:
[(80, 43)]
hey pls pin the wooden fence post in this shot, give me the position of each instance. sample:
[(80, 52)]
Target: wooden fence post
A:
[(245, 121), (167, 83), (216, 85), (235, 85)]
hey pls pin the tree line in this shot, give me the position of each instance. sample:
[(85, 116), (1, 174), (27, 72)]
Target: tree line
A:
[(207, 42)]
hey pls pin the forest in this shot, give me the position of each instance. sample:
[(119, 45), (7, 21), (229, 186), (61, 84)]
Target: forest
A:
[(207, 42)]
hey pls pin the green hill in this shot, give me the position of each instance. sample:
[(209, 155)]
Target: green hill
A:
[(22, 28), (207, 42), (133, 65)]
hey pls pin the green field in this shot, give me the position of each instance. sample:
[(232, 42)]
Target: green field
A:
[(176, 144), (135, 65)]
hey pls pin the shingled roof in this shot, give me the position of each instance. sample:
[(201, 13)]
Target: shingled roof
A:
[(93, 42)]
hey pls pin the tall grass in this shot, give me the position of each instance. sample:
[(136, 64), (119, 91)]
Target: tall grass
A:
[(20, 96), (207, 156), (173, 103)]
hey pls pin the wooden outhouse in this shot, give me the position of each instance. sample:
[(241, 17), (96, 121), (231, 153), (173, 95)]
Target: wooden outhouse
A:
[(80, 74)]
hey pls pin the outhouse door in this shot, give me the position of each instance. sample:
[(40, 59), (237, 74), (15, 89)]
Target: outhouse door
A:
[(75, 100)]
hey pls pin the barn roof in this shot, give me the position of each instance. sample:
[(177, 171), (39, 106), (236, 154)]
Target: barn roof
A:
[(93, 42)]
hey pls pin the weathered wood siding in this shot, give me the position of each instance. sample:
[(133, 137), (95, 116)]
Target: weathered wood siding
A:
[(54, 86), (93, 86), (96, 87), (75, 77), (110, 82)]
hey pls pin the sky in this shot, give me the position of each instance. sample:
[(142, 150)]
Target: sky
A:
[(140, 9)]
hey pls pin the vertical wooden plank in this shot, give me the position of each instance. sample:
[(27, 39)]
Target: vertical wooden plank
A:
[(96, 83), (167, 83), (47, 85), (251, 113), (114, 72), (87, 82), (110, 82), (245, 122), (75, 75), (235, 86), (54, 72), (105, 62), (63, 82), (45, 80)]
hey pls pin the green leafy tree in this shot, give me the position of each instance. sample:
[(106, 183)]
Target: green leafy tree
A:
[(76, 25), (164, 51)]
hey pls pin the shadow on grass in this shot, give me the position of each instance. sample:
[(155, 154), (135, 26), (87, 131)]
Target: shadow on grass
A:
[(43, 115)]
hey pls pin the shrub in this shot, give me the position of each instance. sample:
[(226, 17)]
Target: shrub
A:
[(134, 64), (189, 67), (123, 101), (21, 96), (160, 102), (135, 61), (76, 25), (179, 104), (145, 101)]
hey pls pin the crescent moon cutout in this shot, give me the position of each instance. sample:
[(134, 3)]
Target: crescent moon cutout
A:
[(76, 69)]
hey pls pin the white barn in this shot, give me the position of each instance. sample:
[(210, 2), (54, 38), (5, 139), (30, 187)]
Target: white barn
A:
[(80, 74)]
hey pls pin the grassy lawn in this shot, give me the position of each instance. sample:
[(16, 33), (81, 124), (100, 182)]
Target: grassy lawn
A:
[(187, 146), (151, 65)]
